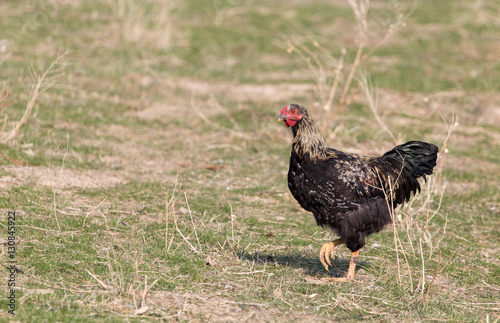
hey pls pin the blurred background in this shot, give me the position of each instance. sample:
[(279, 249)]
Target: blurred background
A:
[(141, 153)]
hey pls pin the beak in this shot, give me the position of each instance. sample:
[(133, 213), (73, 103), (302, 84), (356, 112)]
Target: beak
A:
[(281, 118)]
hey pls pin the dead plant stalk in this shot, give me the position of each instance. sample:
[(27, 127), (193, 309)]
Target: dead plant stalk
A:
[(426, 294), (444, 149), (59, 174), (35, 92), (93, 209), (185, 239), (320, 73), (192, 222), (99, 281), (167, 206), (232, 222), (347, 86), (166, 220), (372, 97)]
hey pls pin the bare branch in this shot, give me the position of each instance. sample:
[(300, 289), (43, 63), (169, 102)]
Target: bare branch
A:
[(39, 87)]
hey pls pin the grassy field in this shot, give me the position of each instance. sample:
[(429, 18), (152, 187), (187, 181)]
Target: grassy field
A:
[(141, 155)]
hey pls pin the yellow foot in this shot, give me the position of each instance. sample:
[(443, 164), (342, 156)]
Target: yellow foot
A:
[(326, 252)]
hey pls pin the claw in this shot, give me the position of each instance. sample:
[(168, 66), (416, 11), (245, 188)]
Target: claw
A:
[(327, 252), (324, 260)]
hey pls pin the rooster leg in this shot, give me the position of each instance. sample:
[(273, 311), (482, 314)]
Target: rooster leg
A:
[(326, 252), (352, 265), (350, 272)]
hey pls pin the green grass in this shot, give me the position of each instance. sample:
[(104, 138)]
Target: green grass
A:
[(92, 209)]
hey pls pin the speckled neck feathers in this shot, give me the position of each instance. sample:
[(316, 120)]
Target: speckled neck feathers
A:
[(308, 140)]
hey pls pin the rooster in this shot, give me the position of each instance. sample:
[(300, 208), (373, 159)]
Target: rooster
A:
[(350, 194)]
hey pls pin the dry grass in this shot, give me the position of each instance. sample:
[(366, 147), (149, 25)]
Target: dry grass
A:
[(170, 200), (329, 73), (150, 24), (372, 97), (479, 12), (41, 83)]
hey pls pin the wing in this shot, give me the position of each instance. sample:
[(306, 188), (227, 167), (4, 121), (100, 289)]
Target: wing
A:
[(393, 175), (359, 177)]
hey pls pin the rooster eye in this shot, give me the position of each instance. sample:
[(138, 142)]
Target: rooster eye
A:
[(293, 111)]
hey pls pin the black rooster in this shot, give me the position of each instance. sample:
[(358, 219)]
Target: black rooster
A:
[(350, 194)]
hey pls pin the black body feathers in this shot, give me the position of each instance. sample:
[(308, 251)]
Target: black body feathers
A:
[(349, 193)]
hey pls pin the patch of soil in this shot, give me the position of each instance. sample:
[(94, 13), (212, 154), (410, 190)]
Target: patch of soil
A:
[(275, 92), (55, 177), (202, 307)]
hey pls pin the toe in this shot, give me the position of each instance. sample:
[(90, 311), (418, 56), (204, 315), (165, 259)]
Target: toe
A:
[(325, 254)]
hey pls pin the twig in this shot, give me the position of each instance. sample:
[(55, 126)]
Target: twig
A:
[(147, 289), (395, 232), (423, 263), (424, 300), (167, 205), (444, 149), (166, 220), (327, 121), (183, 237), (360, 10), (55, 212), (373, 100), (100, 282), (232, 221), (4, 124), (192, 222), (5, 96), (444, 233), (144, 308), (187, 241), (316, 70), (175, 224), (65, 154), (389, 197), (15, 161), (59, 174), (350, 76), (35, 92), (249, 272), (338, 73), (95, 207)]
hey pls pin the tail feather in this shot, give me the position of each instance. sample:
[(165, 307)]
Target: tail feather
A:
[(410, 161)]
